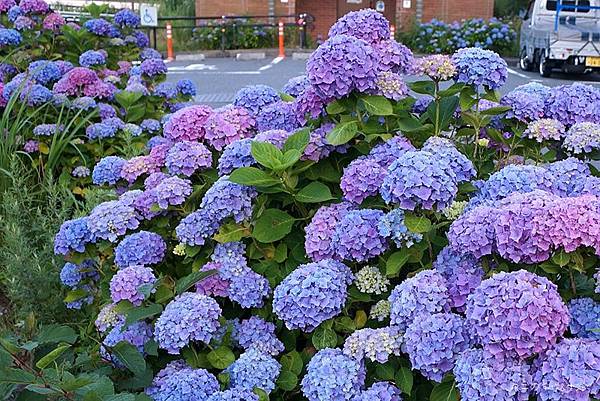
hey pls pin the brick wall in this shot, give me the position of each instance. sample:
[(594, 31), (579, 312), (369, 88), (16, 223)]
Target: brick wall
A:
[(324, 11), (456, 10), (212, 8)]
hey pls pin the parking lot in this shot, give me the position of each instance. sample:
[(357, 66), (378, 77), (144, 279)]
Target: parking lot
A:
[(218, 79)]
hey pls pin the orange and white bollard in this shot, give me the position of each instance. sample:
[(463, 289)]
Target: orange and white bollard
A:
[(170, 53), (281, 41), (393, 31)]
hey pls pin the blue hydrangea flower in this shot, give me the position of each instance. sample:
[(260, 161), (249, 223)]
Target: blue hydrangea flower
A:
[(572, 104), (333, 376), (255, 97), (197, 227), (71, 275), (319, 232), (570, 371), (380, 391), (418, 179), (142, 248), (480, 376), (129, 284), (189, 317), (149, 52), (433, 343), (296, 86), (36, 95), (9, 37), (110, 220), (341, 65), (235, 155), (136, 334), (227, 199), (569, 176), (585, 318), (188, 157), (277, 116), (73, 235), (445, 150), (387, 152), (479, 67), (153, 67), (44, 71), (166, 90), (234, 395), (14, 12), (260, 334), (524, 106), (362, 178), (92, 58), (392, 226), (101, 131), (356, 236), (101, 27), (186, 87), (298, 299), (180, 382), (108, 170), (127, 18), (249, 289), (254, 369), (171, 191), (463, 273), (151, 126), (422, 295), (514, 178)]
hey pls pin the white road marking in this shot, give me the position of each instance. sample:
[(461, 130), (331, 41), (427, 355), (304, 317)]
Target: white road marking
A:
[(518, 74), (216, 72), (193, 67), (276, 60)]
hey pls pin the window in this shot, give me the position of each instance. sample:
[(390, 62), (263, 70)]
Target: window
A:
[(578, 6)]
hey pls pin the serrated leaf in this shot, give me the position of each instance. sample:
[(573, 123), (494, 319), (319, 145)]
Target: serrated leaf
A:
[(221, 358), (417, 224), (343, 133), (561, 258), (315, 192), (262, 394), (360, 319), (185, 283), (266, 154), (231, 232), (16, 376), (272, 225), (253, 176), (129, 356), (377, 105), (423, 87), (298, 140), (335, 107), (385, 372), (287, 380)]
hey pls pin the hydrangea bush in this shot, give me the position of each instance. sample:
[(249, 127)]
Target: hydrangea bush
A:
[(360, 248)]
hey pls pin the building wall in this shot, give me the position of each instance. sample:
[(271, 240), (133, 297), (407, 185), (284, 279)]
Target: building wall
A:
[(324, 11), (212, 8)]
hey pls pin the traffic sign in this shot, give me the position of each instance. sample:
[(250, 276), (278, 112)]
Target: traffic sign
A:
[(149, 15)]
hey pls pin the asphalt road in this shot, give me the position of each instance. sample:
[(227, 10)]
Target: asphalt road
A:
[(218, 79)]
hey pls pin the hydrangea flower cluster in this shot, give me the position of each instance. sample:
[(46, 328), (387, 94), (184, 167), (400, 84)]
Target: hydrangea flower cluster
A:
[(377, 345), (585, 318), (362, 178), (279, 115), (572, 104), (319, 232), (480, 67), (369, 280), (260, 334), (254, 369), (463, 274), (227, 125), (187, 124), (73, 235), (524, 106), (179, 381), (354, 23), (311, 294), (517, 314), (380, 391), (255, 97), (112, 219), (438, 67), (136, 334), (142, 248), (131, 284), (582, 137), (189, 317), (188, 157), (356, 236), (545, 129)]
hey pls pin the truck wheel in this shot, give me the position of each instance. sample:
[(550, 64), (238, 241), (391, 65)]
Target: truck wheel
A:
[(545, 67), (524, 62)]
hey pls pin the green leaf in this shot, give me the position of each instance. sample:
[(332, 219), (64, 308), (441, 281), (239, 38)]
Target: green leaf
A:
[(404, 379), (360, 319), (75, 295), (121, 397), (342, 133), (344, 324), (409, 124), (267, 154), (51, 356), (136, 314), (130, 357), (253, 176), (262, 394), (221, 357), (298, 140), (377, 105), (272, 225), (494, 111), (453, 90), (56, 334), (42, 389), (467, 98), (315, 192), (289, 159), (16, 376), (185, 283), (396, 261), (324, 337), (287, 380), (335, 107), (385, 372), (417, 224), (561, 258), (423, 87), (231, 232), (292, 362), (445, 391)]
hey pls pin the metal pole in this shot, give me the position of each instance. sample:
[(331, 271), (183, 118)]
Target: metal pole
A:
[(419, 11)]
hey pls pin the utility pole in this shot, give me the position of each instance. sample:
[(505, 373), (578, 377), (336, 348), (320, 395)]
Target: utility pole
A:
[(419, 11)]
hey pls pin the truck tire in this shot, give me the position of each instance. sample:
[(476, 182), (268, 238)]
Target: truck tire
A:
[(544, 65), (524, 62)]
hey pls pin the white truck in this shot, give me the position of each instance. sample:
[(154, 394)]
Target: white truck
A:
[(561, 34)]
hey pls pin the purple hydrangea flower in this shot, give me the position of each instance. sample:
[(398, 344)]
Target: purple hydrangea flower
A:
[(480, 376), (255, 97), (197, 227), (585, 318), (142, 248), (424, 294), (438, 67), (362, 178), (356, 236), (394, 57), (463, 273), (309, 105), (180, 382), (227, 125), (187, 124), (34, 6), (333, 376), (341, 65), (227, 199), (254, 369), (188, 157), (433, 342), (391, 85), (571, 104), (276, 137), (318, 147), (171, 191), (5, 5), (112, 219), (582, 137), (101, 27), (545, 129), (249, 289), (298, 299), (524, 106), (419, 179), (381, 391), (259, 334), (517, 314), (129, 284), (189, 317), (473, 232), (138, 166), (277, 116), (31, 146), (367, 24), (296, 86), (234, 395), (570, 371), (445, 150), (377, 345), (387, 152), (186, 87), (215, 285), (319, 231), (73, 235), (479, 67), (153, 67)]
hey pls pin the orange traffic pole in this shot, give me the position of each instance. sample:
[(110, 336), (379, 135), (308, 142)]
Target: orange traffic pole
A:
[(281, 41), (170, 54)]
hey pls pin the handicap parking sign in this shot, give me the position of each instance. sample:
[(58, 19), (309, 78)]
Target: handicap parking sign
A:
[(148, 15)]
